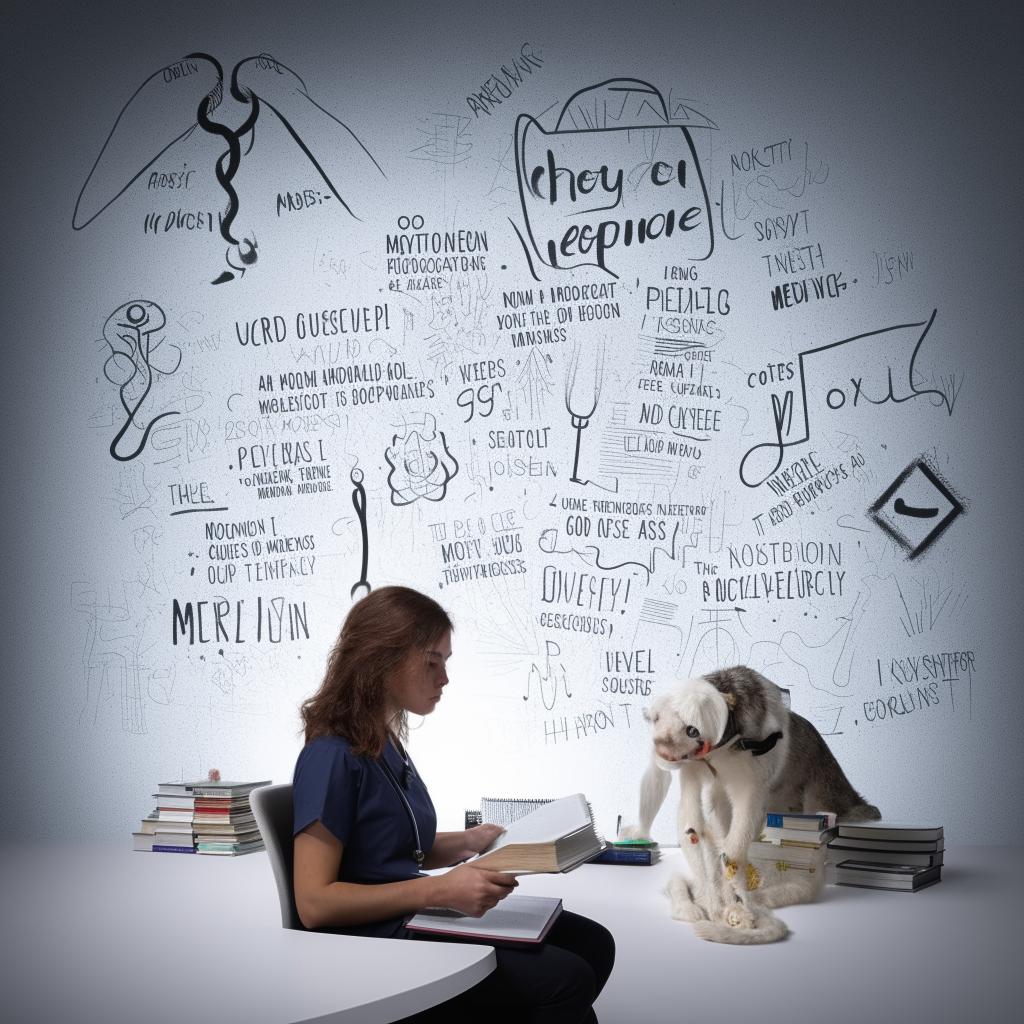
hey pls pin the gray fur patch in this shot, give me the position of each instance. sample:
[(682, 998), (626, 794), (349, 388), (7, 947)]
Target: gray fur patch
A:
[(747, 688), (811, 779)]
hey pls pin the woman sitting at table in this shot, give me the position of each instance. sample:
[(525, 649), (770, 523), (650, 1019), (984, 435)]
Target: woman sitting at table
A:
[(365, 825)]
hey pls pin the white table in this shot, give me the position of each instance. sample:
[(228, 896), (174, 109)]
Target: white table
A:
[(99, 933), (949, 953), (96, 933)]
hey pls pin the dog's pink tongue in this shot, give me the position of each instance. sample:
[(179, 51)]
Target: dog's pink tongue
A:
[(705, 749)]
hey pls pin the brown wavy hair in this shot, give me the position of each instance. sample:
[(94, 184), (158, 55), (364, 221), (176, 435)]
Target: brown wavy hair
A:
[(378, 633)]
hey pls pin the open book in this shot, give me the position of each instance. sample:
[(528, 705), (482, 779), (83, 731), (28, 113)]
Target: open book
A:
[(515, 919), (557, 836)]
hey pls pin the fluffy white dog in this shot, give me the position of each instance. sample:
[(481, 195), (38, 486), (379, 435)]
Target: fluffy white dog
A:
[(739, 752)]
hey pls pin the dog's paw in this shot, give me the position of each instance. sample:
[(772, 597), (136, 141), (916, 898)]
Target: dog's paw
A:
[(739, 916), (632, 832), (767, 928), (687, 911), (709, 931), (710, 902), (682, 905), (678, 886)]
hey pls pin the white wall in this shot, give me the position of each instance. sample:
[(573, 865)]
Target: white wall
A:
[(882, 145)]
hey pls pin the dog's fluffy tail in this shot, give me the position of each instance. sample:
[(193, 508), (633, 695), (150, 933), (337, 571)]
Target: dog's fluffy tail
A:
[(801, 888), (862, 812), (769, 929)]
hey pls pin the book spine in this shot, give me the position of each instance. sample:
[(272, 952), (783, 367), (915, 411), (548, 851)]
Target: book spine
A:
[(777, 820), (157, 848), (623, 857)]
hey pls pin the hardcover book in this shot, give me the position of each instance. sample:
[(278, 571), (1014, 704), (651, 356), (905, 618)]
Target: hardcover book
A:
[(810, 822), (906, 877), (516, 919), (838, 852), (557, 836), (644, 856), (884, 831), (803, 836), (204, 787), (855, 843)]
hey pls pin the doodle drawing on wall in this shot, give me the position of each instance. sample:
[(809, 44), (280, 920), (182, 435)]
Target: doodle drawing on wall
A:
[(181, 97)]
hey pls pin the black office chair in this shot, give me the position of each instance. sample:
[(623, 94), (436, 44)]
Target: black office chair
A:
[(272, 808)]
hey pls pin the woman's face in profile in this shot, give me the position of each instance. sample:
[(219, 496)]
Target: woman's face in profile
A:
[(421, 678)]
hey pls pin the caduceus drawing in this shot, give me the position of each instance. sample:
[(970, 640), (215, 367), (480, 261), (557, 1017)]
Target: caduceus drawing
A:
[(132, 333), (188, 95)]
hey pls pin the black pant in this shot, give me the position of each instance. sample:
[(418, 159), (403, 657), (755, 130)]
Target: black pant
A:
[(555, 984)]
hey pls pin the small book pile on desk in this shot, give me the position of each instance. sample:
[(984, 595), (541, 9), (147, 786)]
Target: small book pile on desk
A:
[(211, 817), (168, 827), (877, 855), (793, 842), (642, 852)]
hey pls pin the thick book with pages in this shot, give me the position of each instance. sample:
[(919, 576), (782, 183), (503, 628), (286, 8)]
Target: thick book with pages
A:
[(557, 836), (905, 877), (518, 919), (884, 831), (855, 843)]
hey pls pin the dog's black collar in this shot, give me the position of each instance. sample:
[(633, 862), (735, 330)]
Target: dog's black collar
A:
[(756, 747), (730, 731), (759, 747)]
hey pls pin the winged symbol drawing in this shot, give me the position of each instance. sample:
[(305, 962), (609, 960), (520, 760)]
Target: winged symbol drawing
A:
[(182, 97)]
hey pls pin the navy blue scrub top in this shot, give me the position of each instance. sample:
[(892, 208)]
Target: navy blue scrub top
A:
[(354, 800)]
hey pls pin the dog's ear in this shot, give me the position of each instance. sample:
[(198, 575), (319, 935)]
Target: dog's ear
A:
[(703, 706), (646, 713), (730, 700)]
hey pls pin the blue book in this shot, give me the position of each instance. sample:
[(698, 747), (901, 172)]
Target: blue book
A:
[(624, 855), (810, 822)]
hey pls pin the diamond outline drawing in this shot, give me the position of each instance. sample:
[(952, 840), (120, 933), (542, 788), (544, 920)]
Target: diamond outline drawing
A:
[(956, 508)]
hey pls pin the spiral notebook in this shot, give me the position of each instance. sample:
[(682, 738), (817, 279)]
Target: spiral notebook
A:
[(506, 810)]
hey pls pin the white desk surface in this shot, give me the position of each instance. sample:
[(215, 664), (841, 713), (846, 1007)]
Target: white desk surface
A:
[(98, 933), (951, 952)]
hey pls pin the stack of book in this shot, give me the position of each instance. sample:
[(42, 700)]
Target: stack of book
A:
[(200, 817), (172, 832), (223, 821), (143, 839), (793, 842), (877, 855), (630, 851)]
